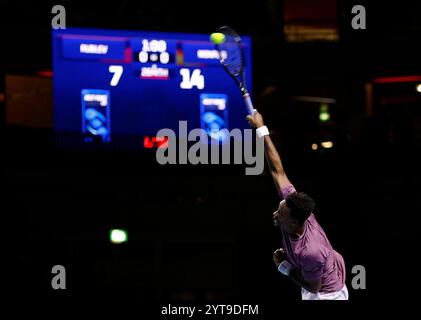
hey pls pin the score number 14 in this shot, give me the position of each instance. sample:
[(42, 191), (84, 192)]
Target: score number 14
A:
[(195, 79)]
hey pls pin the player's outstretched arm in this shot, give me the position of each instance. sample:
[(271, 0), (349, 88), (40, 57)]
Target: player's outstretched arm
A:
[(272, 156)]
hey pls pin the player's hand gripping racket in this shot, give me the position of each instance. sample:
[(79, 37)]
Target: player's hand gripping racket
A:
[(231, 54)]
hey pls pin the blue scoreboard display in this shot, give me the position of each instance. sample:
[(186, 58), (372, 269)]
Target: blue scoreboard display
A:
[(119, 88)]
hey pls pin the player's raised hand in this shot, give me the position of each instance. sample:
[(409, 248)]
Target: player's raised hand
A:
[(255, 120)]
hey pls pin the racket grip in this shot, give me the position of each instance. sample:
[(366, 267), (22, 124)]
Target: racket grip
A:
[(249, 104)]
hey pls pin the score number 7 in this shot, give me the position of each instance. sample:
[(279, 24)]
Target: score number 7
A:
[(117, 72)]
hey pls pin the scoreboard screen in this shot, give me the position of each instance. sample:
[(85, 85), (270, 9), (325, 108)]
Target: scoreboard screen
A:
[(119, 88)]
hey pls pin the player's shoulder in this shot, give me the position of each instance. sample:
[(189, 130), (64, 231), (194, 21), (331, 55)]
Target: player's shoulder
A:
[(312, 218)]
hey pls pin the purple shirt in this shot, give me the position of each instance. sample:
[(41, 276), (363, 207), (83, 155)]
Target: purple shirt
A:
[(313, 255)]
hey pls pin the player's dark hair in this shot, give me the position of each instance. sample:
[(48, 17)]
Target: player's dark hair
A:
[(300, 205)]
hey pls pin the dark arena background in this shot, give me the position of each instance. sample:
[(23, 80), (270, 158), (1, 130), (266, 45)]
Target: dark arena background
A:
[(343, 106)]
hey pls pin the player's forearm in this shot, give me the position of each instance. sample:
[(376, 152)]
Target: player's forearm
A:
[(272, 157), (288, 270)]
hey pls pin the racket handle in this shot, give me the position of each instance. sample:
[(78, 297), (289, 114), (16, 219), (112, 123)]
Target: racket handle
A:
[(249, 104)]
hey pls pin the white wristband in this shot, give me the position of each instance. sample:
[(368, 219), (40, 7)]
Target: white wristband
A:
[(262, 131), (284, 268)]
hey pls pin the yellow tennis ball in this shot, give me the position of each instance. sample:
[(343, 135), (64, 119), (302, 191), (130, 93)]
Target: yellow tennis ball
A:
[(217, 38)]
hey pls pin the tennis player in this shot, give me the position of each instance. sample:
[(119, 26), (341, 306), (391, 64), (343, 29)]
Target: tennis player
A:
[(307, 257)]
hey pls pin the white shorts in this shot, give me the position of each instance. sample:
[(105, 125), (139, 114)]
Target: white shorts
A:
[(337, 295)]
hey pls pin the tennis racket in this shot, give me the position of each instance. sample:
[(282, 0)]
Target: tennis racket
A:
[(231, 55)]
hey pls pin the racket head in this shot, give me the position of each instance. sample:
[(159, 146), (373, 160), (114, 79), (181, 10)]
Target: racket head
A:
[(231, 52)]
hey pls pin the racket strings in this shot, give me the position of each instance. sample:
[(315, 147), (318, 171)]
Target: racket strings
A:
[(231, 49)]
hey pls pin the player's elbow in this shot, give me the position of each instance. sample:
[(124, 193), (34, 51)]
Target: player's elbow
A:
[(278, 172), (313, 291), (314, 286), (281, 179)]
